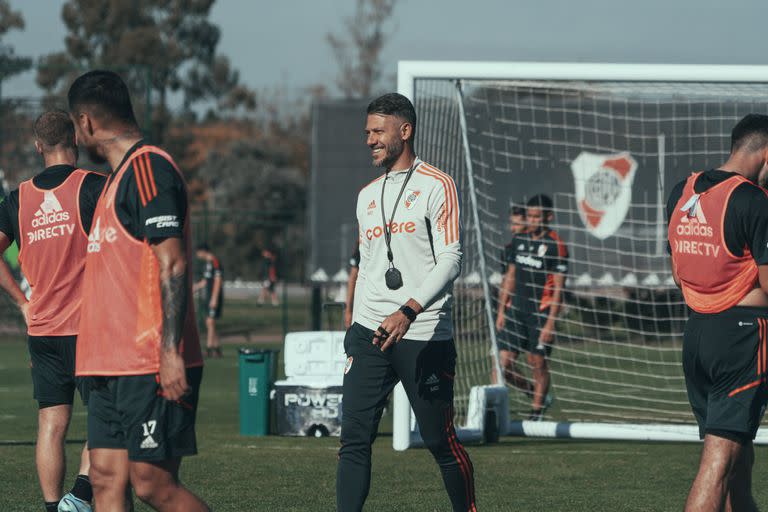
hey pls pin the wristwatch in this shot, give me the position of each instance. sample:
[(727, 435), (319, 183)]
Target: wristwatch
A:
[(409, 313)]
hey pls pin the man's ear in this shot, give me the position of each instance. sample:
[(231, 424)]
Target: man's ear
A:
[(38, 147), (406, 131), (85, 122), (88, 124)]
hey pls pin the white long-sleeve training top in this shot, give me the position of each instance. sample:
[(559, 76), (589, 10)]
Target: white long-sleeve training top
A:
[(426, 245)]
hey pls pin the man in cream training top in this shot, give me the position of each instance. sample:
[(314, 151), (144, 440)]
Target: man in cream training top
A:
[(410, 254)]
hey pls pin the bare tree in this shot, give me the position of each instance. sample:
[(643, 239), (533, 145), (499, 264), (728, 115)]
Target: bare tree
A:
[(358, 47)]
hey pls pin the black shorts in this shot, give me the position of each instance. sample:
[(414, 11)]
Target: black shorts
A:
[(724, 360), (127, 412), (521, 334), (53, 370)]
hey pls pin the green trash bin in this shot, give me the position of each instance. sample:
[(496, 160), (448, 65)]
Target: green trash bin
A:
[(256, 374)]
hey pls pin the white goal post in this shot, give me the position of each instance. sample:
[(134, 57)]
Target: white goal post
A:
[(495, 125)]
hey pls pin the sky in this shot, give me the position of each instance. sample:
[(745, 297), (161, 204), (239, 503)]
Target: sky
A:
[(280, 44)]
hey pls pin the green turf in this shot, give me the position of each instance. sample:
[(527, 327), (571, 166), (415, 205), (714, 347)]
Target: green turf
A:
[(234, 473)]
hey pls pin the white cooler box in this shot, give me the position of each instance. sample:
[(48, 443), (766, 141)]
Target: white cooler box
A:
[(308, 401)]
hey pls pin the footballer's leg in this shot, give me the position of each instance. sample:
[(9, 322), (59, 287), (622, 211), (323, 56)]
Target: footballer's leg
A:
[(54, 388), (504, 363), (157, 485), (512, 374), (368, 380), (427, 369), (723, 361), (718, 459), (509, 343), (158, 433), (739, 496), (81, 494), (537, 359), (108, 454), (109, 478), (80, 497), (53, 422), (540, 371)]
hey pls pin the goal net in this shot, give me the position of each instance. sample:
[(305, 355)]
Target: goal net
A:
[(607, 143)]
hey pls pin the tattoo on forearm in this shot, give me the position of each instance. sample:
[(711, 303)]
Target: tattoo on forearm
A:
[(174, 297)]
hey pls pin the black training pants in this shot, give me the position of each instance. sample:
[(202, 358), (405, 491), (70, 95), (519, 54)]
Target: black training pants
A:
[(426, 369)]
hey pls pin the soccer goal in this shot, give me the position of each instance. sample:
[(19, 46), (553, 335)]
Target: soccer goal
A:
[(606, 142)]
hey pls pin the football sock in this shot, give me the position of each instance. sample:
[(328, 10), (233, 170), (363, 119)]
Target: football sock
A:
[(51, 506), (82, 488)]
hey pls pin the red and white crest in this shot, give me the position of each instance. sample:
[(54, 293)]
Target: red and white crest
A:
[(411, 196), (603, 190)]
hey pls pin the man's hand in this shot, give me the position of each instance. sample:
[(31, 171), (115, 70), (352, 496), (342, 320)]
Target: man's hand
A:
[(392, 330), (173, 376), (212, 304), (546, 334), (394, 327), (500, 321)]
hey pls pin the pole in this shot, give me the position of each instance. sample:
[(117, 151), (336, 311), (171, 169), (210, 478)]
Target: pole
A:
[(660, 221), (284, 305)]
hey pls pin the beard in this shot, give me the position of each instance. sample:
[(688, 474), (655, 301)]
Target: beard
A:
[(94, 155), (391, 153)]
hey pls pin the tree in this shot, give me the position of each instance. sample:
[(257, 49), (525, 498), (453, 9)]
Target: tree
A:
[(358, 50), (15, 155), (256, 200), (10, 63), (171, 44)]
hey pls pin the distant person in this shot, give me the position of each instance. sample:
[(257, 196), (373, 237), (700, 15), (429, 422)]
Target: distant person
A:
[(269, 274), (537, 263), (49, 217), (212, 286), (138, 336), (354, 268), (508, 347), (410, 255), (718, 235)]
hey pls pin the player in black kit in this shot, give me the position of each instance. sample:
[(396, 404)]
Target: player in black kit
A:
[(537, 262)]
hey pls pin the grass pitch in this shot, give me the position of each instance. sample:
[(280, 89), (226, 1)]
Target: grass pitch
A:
[(243, 474)]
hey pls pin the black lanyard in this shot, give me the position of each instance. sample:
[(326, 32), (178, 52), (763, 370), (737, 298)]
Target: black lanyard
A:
[(387, 230)]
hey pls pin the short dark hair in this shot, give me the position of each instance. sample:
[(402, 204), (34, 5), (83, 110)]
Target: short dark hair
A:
[(104, 93), (202, 246), (517, 210), (750, 134), (55, 128), (540, 201), (394, 104)]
